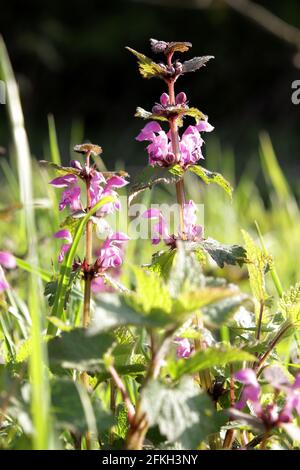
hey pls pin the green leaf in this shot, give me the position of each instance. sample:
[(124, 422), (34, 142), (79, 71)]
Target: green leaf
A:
[(142, 113), (194, 300), (182, 413), (196, 63), (290, 303), (170, 111), (210, 357), (209, 177), (73, 409), (112, 310), (217, 314), (257, 264), (151, 294), (162, 263), (147, 67), (224, 254), (78, 349), (61, 170), (150, 177), (50, 291)]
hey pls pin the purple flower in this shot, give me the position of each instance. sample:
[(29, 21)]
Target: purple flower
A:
[(64, 181), (160, 149), (64, 235), (271, 415), (8, 261), (111, 252), (250, 392), (71, 197), (184, 348), (192, 231), (108, 190), (95, 189)]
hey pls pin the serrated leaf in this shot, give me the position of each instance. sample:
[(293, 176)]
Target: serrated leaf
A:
[(177, 46), (182, 413), (148, 178), (151, 294), (162, 263), (170, 111), (50, 291), (78, 349), (142, 113), (210, 357), (209, 177), (194, 300), (257, 263), (290, 303), (112, 310), (147, 67), (224, 254), (61, 170), (196, 63)]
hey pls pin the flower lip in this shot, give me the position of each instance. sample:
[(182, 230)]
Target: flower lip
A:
[(64, 181)]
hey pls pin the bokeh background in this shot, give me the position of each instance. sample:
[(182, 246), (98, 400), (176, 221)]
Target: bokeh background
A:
[(69, 59)]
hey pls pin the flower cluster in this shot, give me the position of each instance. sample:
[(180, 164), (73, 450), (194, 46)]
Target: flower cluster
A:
[(160, 150), (110, 254), (7, 261), (192, 231), (271, 415)]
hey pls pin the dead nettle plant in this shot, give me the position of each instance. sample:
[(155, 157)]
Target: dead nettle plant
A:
[(159, 358)]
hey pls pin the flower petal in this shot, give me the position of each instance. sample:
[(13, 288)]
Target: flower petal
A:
[(7, 260)]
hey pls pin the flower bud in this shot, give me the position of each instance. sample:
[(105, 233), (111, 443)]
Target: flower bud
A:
[(164, 99), (181, 98), (158, 46), (178, 68), (157, 109)]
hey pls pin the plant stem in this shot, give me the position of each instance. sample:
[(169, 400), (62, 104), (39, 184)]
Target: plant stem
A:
[(121, 387), (139, 425), (88, 253), (176, 150), (260, 317), (88, 259)]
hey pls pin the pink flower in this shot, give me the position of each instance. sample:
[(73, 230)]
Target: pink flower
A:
[(184, 348), (64, 181), (160, 149), (250, 392), (71, 197), (192, 231), (111, 252), (64, 235), (115, 182), (8, 261)]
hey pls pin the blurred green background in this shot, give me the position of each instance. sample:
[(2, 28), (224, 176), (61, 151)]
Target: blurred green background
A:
[(69, 59)]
